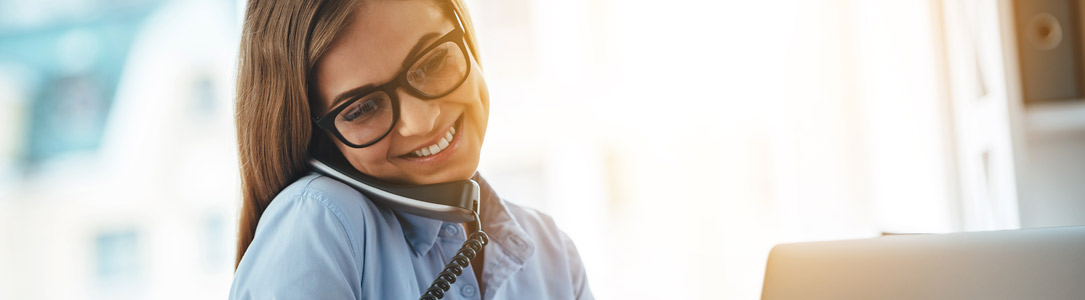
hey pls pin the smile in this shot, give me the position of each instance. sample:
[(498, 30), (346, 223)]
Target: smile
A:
[(439, 146)]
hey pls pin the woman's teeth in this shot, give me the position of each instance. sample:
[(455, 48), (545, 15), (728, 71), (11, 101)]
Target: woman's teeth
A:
[(438, 147)]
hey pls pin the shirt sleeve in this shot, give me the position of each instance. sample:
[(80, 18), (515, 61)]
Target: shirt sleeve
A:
[(301, 250), (576, 267)]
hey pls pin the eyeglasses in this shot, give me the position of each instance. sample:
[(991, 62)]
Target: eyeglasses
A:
[(369, 116)]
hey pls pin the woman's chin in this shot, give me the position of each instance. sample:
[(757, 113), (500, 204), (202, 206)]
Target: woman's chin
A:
[(459, 172)]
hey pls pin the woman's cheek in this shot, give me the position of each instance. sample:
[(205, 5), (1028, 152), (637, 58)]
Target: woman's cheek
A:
[(482, 105), (368, 160)]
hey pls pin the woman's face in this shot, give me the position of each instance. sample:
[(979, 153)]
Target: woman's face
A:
[(371, 52)]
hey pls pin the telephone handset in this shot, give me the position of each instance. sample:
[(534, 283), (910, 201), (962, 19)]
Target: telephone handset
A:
[(456, 201)]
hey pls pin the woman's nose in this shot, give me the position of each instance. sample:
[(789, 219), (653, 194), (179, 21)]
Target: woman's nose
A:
[(416, 116)]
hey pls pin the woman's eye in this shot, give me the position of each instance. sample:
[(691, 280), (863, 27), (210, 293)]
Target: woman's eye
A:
[(430, 65), (436, 60), (359, 110), (433, 63)]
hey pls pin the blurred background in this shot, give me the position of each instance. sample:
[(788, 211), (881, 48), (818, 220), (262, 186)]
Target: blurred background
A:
[(676, 142)]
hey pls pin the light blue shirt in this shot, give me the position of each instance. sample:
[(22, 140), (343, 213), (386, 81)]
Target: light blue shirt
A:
[(321, 239)]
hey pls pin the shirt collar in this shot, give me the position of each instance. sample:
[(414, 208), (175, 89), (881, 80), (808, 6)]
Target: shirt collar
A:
[(420, 232), (510, 247), (504, 231)]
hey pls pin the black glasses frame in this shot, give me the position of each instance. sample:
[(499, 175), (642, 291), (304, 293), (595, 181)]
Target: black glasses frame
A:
[(327, 122)]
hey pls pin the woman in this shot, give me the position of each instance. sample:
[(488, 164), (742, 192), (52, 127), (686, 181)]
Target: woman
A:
[(315, 74)]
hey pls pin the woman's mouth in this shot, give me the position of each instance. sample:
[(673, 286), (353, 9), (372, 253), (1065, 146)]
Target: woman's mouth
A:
[(439, 146), (442, 148)]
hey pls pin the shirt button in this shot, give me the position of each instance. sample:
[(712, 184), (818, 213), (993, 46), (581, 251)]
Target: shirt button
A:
[(452, 229), (468, 290)]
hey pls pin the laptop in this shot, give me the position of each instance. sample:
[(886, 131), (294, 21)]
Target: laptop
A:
[(1044, 263)]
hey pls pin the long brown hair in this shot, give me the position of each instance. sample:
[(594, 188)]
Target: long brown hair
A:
[(281, 41)]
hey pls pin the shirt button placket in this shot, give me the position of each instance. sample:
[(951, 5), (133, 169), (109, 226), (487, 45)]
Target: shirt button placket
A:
[(468, 291)]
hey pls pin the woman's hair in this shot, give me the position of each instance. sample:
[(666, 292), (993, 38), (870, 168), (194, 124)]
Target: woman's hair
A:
[(281, 41)]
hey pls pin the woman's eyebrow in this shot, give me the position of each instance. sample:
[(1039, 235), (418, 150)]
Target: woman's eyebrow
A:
[(406, 60), (418, 47)]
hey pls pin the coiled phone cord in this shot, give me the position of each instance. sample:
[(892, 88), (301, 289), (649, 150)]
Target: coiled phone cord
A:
[(471, 247)]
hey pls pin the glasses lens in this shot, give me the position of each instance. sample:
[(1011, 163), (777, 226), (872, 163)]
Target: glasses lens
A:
[(365, 120), (439, 71)]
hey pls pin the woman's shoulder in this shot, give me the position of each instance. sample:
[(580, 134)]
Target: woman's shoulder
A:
[(538, 225), (319, 190), (308, 244), (553, 252), (529, 217), (314, 186), (318, 202)]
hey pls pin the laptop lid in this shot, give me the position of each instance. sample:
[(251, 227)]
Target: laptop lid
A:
[(1046, 263)]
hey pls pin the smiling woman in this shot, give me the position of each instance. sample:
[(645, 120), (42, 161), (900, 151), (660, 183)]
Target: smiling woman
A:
[(395, 88), (383, 46)]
